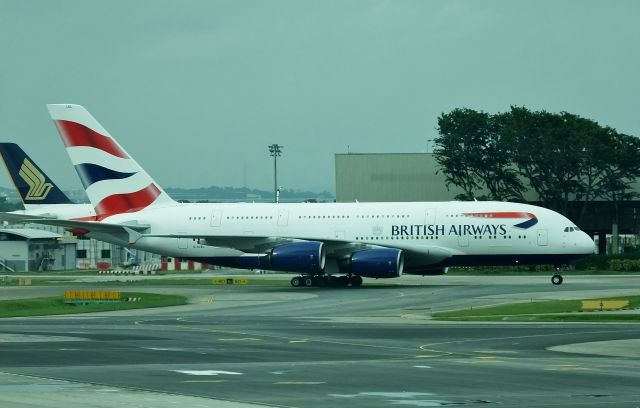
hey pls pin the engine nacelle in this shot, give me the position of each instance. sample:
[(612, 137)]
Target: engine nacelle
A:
[(428, 271), (303, 257), (375, 263)]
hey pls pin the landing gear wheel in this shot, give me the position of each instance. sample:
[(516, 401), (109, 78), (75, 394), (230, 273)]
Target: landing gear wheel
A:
[(556, 279), (308, 281), (296, 282), (343, 281), (355, 281)]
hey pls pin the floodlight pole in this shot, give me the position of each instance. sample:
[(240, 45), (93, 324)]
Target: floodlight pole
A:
[(275, 150)]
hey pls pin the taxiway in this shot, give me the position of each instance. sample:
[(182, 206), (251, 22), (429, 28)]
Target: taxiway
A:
[(375, 346)]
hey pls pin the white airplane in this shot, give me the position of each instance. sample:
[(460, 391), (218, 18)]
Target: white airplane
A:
[(39, 194), (319, 241)]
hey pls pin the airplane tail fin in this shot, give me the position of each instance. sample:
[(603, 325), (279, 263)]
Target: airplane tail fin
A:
[(33, 185), (113, 180)]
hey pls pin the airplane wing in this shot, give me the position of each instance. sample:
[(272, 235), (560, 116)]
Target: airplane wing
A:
[(124, 233), (14, 217), (91, 226), (130, 233)]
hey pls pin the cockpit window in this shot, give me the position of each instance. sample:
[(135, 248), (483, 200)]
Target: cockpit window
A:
[(571, 229)]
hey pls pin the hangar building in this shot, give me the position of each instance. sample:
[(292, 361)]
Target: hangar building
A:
[(390, 177), (26, 249), (35, 248)]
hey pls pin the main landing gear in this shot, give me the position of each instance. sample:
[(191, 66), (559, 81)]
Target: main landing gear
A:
[(326, 280)]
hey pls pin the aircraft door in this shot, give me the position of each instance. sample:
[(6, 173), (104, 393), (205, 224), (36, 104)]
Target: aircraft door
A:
[(283, 218), (216, 218), (543, 239), (183, 243)]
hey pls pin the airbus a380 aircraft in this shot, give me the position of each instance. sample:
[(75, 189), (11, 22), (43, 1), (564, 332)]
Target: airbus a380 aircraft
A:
[(377, 240)]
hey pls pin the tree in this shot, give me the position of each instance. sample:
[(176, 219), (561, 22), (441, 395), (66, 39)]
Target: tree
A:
[(620, 170), (561, 156), (454, 147), (472, 157), (596, 152), (543, 146)]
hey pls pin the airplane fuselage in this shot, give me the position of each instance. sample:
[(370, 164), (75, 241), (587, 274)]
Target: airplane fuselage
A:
[(433, 234)]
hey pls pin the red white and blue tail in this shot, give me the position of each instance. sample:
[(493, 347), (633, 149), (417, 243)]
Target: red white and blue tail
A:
[(114, 181)]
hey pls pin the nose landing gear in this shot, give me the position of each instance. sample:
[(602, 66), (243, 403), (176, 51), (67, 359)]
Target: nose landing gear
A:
[(557, 278)]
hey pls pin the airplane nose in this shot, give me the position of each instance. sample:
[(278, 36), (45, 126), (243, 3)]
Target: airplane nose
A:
[(586, 244)]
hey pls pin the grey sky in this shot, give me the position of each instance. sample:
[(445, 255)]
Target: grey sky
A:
[(196, 90)]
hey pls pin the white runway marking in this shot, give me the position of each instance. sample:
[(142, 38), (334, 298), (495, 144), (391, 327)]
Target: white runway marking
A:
[(206, 372), (299, 382)]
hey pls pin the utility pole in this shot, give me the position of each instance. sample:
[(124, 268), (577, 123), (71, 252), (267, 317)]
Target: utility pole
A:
[(275, 150)]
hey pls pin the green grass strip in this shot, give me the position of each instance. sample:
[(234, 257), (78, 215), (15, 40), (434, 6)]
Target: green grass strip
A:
[(153, 282), (550, 310), (565, 317), (56, 305)]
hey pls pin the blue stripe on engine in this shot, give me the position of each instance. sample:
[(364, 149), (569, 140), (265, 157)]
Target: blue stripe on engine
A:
[(92, 173)]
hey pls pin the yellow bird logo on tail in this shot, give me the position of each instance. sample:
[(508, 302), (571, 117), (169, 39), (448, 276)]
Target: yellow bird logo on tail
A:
[(38, 187)]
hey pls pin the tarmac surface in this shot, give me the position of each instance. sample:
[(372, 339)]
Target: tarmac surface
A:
[(374, 346)]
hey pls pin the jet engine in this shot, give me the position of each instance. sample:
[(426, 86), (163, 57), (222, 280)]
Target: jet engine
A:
[(303, 257), (427, 271), (374, 263)]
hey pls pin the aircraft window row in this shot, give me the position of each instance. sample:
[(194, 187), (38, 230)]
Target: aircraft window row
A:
[(497, 236), (383, 216), (253, 217), (397, 238), (432, 237), (197, 218), (316, 217), (571, 229)]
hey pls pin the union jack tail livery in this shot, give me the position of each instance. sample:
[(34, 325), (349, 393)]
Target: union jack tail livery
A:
[(114, 181), (33, 185)]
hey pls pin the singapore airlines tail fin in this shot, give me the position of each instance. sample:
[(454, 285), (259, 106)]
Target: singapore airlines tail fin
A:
[(35, 188), (114, 181)]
